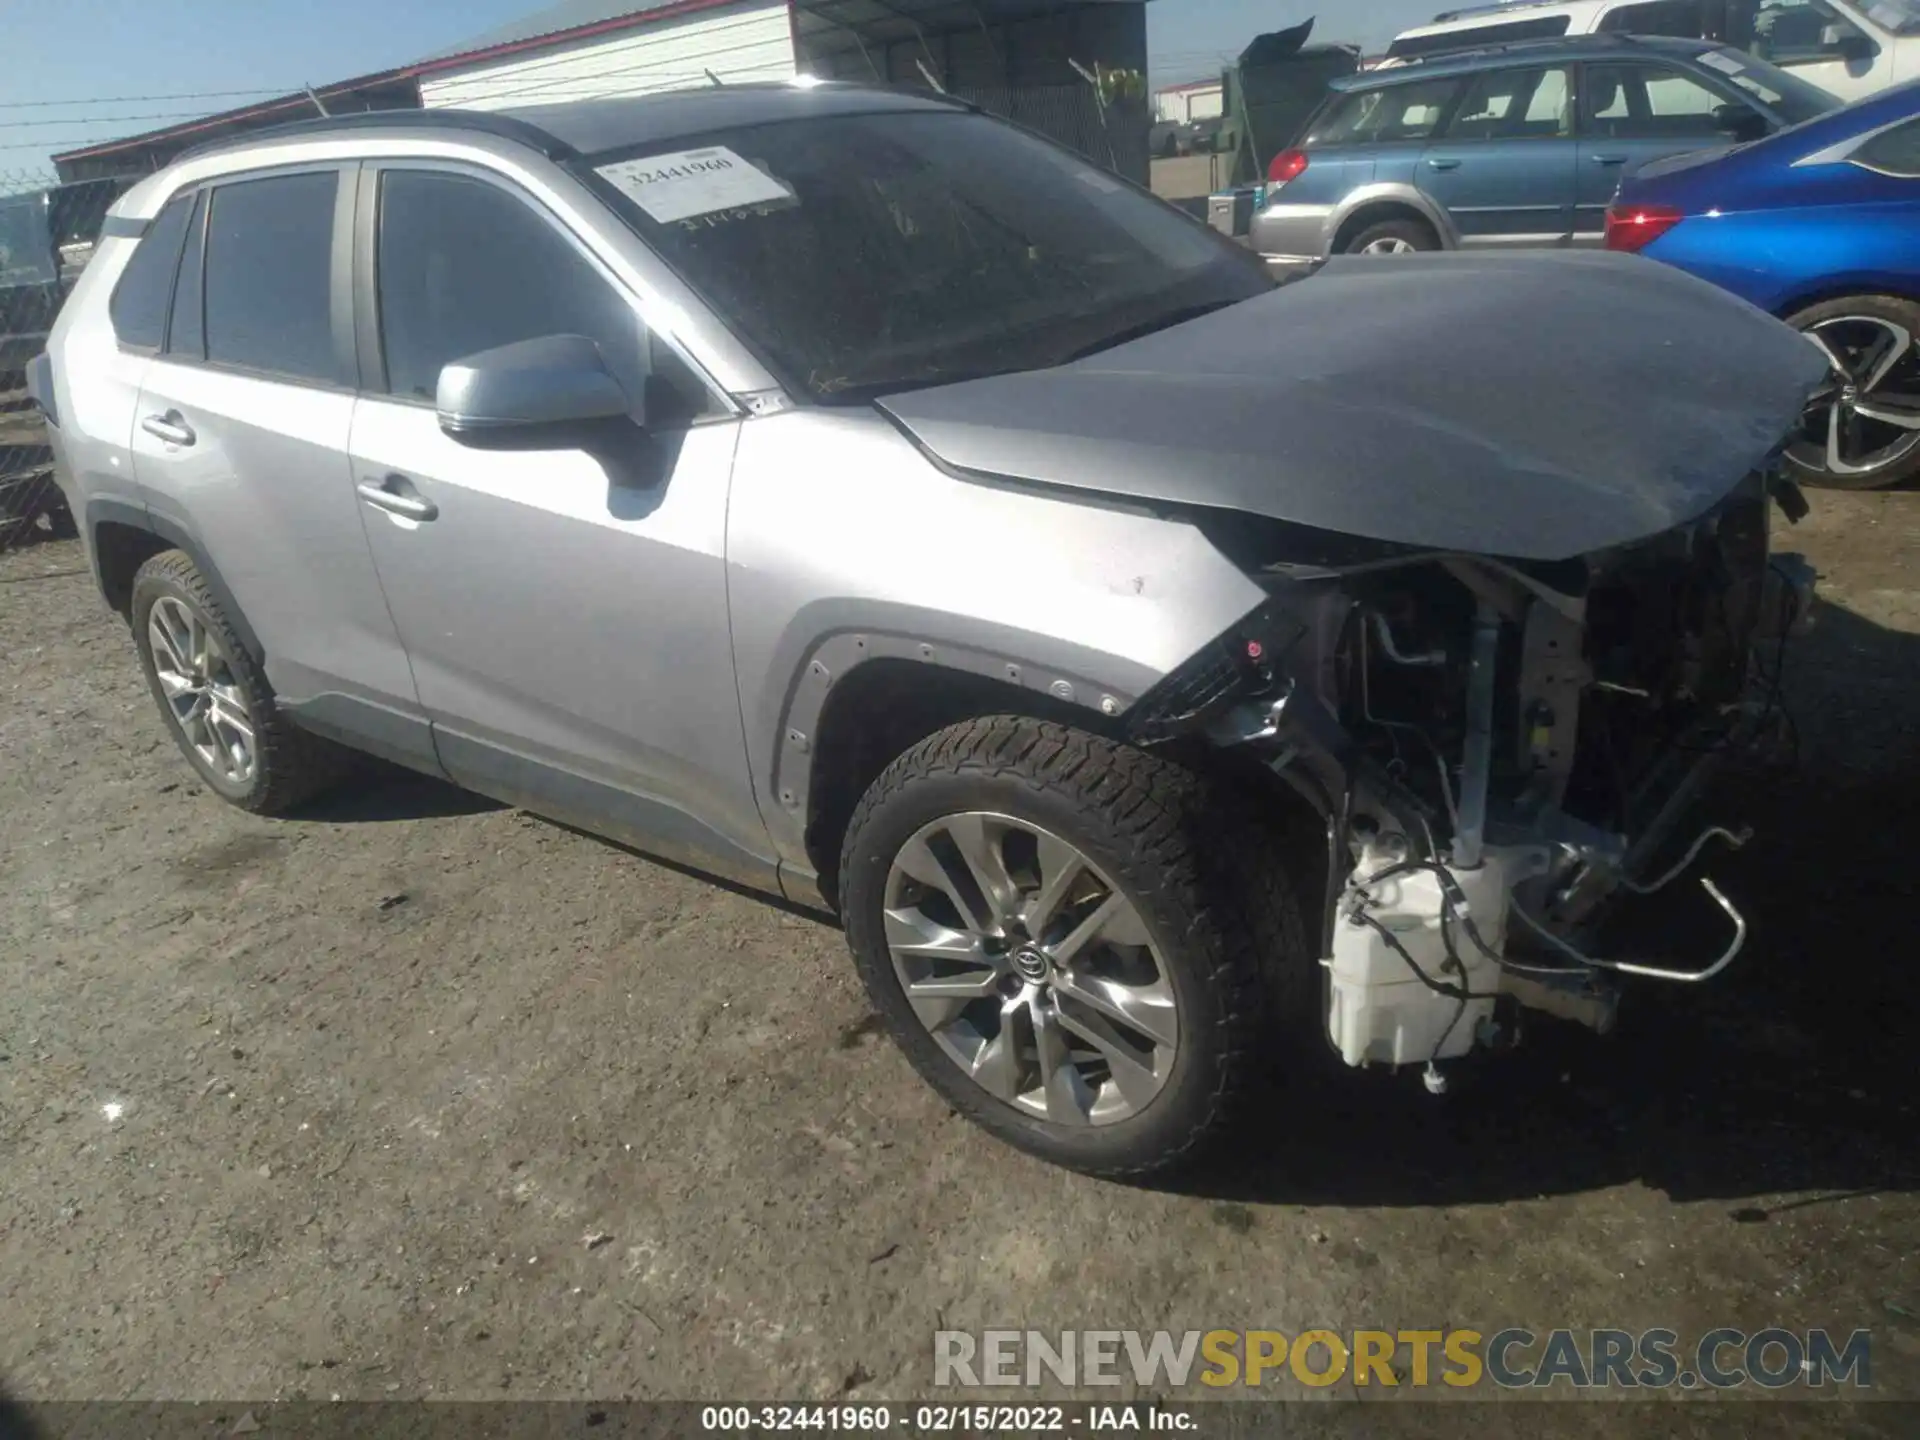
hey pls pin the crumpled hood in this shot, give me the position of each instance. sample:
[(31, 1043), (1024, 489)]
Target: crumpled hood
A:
[(1535, 406)]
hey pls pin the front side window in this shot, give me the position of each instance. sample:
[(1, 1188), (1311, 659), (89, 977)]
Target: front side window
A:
[(465, 266), (1686, 19), (862, 254), (1393, 112), (1515, 105), (1797, 32), (138, 310), (1794, 100), (1631, 102), (269, 265), (1893, 152)]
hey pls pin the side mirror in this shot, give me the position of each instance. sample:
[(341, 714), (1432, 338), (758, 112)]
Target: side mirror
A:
[(1853, 45), (554, 380), (1741, 123)]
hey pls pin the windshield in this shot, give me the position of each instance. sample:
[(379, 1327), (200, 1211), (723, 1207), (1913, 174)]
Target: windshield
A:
[(1791, 98), (1901, 17), (862, 254), (26, 252)]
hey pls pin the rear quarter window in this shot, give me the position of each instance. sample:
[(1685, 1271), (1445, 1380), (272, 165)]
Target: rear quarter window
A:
[(138, 309), (1392, 112)]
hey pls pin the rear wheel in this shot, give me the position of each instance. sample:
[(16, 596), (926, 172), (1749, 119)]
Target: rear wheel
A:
[(215, 697), (1083, 947), (1393, 237), (1862, 431)]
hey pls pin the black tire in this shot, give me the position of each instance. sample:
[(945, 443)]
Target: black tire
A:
[(291, 766), (1415, 234), (1214, 884), (1889, 308)]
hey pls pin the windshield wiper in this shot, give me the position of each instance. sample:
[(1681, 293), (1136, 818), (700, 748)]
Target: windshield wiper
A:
[(1165, 320)]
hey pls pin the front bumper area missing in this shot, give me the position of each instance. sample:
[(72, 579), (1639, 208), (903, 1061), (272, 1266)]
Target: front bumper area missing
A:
[(1444, 920)]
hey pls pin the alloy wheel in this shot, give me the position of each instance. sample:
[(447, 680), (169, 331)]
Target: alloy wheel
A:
[(1868, 416), (202, 693), (1389, 245), (1031, 969)]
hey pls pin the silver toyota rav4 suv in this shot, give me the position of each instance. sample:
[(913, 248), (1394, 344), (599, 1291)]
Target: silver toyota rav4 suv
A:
[(1160, 671)]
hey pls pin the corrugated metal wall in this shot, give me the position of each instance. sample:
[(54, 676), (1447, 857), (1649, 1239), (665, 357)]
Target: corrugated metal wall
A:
[(750, 41)]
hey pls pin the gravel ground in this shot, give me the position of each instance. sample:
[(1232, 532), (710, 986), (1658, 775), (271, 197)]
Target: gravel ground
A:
[(418, 1096)]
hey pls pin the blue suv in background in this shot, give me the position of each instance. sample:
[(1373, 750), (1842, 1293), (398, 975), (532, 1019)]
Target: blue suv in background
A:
[(1522, 144)]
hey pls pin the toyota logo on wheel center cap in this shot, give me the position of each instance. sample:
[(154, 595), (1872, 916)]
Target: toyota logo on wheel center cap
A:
[(1030, 963)]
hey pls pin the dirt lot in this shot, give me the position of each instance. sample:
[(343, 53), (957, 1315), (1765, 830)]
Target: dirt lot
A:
[(333, 1106)]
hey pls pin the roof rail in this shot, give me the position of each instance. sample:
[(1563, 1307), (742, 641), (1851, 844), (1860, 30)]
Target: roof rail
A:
[(505, 127), (1447, 17), (1469, 47)]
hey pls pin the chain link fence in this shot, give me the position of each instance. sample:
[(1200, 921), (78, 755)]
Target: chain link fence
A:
[(47, 234)]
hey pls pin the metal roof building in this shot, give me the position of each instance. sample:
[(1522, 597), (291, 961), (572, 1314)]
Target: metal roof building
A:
[(1020, 58)]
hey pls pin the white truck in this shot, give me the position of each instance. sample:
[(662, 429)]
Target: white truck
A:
[(1852, 48)]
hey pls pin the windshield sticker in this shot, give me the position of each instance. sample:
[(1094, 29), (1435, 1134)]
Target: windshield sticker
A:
[(692, 183), (1723, 62)]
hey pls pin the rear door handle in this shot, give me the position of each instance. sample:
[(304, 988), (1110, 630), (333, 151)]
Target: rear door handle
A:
[(170, 427), (1609, 159), (1444, 164), (387, 495)]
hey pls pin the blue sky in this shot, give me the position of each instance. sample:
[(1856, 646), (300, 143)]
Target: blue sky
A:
[(74, 71)]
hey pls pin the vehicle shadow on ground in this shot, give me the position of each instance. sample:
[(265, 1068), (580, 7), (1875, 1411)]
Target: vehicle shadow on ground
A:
[(388, 792), (1791, 1072), (15, 1421)]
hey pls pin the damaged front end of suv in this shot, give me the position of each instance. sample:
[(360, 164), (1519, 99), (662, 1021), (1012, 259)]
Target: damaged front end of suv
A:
[(1512, 517), (1501, 749)]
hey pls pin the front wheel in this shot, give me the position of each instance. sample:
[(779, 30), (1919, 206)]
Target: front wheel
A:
[(1083, 947), (1862, 429)]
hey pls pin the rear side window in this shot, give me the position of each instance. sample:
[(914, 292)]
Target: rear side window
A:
[(1393, 112), (187, 331), (464, 267), (1515, 105), (268, 277), (1684, 18), (1893, 152), (138, 309), (1546, 27)]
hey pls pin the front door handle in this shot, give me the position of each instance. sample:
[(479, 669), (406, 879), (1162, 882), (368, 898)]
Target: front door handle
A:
[(1444, 164), (1609, 159), (170, 427), (386, 495)]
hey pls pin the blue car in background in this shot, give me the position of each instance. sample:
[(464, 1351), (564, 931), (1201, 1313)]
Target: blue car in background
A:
[(1819, 225), (1519, 144)]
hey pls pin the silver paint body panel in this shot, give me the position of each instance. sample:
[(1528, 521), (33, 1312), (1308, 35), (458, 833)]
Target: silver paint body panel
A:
[(641, 648)]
